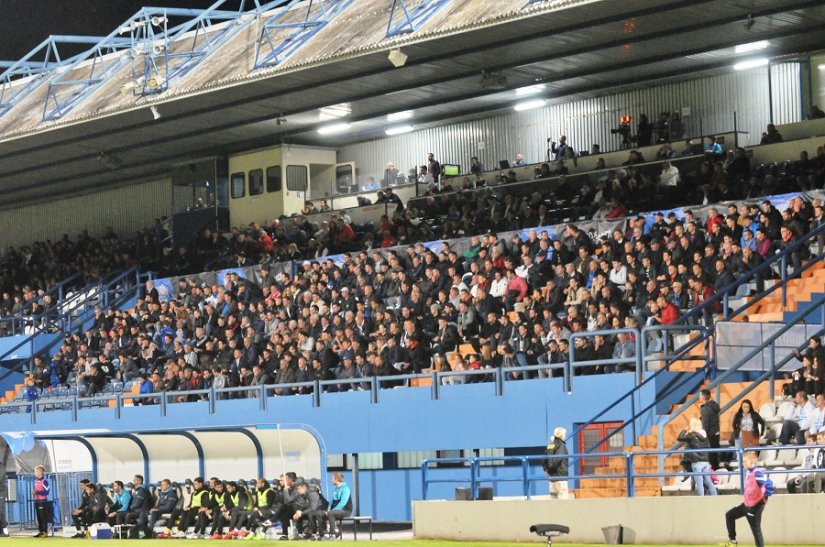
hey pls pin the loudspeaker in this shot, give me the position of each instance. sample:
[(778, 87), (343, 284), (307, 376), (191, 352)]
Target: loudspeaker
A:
[(484, 493)]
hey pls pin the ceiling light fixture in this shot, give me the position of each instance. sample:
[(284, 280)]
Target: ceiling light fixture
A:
[(752, 63), (334, 128), (400, 116), (529, 105), (398, 130), (335, 111), (529, 90), (398, 58), (753, 46)]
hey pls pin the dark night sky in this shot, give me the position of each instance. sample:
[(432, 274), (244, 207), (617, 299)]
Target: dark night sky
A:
[(26, 23)]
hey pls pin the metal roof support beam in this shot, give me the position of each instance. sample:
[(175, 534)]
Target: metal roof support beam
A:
[(412, 21), (99, 64), (272, 50), (167, 53), (42, 59)]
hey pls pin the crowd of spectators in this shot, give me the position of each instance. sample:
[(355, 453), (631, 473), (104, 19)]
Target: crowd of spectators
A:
[(380, 313), (217, 509), (460, 207)]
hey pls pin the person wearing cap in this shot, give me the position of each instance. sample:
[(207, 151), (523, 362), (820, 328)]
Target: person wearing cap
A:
[(555, 466), (120, 507)]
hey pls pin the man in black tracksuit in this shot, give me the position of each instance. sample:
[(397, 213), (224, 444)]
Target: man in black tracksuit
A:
[(709, 412), (289, 495), (80, 514), (139, 508), (307, 505)]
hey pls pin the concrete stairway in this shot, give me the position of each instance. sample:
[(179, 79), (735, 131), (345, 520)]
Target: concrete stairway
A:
[(649, 486)]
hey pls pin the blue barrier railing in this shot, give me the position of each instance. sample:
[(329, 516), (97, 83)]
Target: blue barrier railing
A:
[(634, 393), (524, 472), (108, 292), (769, 342), (781, 258)]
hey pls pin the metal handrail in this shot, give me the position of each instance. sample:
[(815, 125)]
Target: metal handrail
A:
[(65, 320), (630, 475), (781, 257), (719, 379), (637, 389), (770, 373)]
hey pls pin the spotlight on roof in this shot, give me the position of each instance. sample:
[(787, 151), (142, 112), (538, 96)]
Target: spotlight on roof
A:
[(334, 129), (753, 46), (398, 130), (397, 58), (752, 63), (155, 112), (529, 105)]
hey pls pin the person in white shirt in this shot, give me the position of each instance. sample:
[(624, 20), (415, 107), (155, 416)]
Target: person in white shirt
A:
[(798, 420), (818, 418), (498, 288), (669, 176), (618, 275)]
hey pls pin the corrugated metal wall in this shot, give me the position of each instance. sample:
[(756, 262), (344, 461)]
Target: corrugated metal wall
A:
[(126, 209), (709, 104), (787, 99)]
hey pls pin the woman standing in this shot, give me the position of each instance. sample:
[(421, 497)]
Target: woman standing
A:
[(748, 426)]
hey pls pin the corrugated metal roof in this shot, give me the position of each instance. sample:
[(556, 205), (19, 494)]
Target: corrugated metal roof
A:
[(358, 30), (576, 49)]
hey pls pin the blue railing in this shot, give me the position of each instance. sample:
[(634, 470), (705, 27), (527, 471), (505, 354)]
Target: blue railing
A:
[(110, 291), (524, 471), (781, 258), (769, 342), (643, 358)]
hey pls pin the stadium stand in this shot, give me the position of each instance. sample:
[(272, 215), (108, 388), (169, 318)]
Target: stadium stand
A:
[(555, 269)]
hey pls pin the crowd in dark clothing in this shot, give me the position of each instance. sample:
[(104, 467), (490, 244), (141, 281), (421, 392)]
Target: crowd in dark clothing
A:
[(216, 509), (380, 313)]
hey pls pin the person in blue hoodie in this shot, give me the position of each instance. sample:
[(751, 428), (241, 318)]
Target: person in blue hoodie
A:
[(340, 506)]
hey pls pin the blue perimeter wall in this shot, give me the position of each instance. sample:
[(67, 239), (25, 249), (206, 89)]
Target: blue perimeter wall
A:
[(405, 419)]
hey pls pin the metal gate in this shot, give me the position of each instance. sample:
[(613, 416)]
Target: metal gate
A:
[(65, 494)]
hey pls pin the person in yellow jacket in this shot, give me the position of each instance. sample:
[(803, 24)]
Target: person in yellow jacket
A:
[(197, 507)]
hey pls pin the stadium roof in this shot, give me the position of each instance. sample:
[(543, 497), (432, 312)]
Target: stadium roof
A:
[(71, 130)]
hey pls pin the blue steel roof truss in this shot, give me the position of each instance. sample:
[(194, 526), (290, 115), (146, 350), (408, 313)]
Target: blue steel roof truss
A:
[(271, 51), (40, 61), (161, 66), (412, 21), (65, 94)]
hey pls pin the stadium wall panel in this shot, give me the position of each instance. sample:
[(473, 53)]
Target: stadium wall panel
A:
[(463, 417), (690, 520), (711, 103), (126, 209)]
